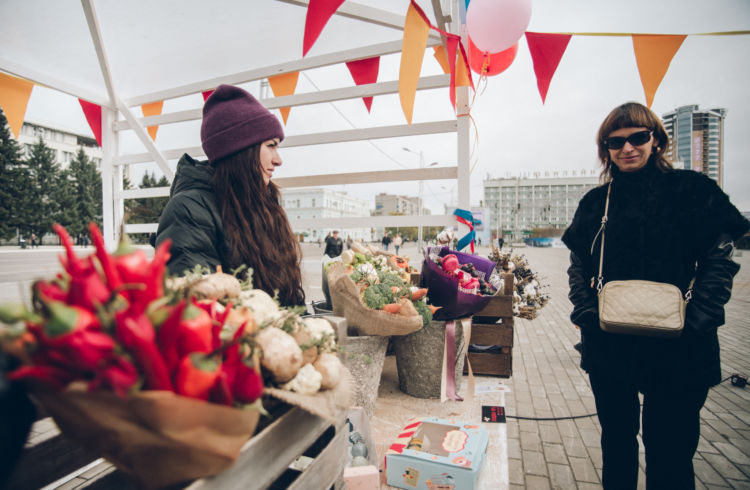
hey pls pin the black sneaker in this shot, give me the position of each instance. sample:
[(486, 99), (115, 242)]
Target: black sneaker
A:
[(579, 347)]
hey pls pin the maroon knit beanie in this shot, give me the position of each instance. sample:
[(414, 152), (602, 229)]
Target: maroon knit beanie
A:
[(234, 120)]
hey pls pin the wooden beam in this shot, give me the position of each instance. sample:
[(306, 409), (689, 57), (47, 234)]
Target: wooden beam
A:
[(433, 173), (435, 127), (323, 96), (365, 13), (278, 69), (96, 38), (39, 78)]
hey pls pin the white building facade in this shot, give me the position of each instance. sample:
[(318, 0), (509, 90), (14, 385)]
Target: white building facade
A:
[(63, 143), (318, 202), (518, 204)]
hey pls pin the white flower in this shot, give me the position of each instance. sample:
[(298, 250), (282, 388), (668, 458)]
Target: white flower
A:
[(368, 270)]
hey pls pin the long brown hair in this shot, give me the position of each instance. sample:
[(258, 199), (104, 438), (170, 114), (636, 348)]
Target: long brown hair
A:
[(256, 227), (632, 115)]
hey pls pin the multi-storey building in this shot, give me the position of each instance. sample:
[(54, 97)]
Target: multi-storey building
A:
[(697, 140), (317, 202), (518, 204), (389, 204), (63, 142)]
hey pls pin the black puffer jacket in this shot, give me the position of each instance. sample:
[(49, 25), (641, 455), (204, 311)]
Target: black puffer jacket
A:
[(664, 227), (191, 219)]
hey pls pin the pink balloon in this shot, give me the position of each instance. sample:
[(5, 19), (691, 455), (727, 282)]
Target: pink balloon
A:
[(496, 25)]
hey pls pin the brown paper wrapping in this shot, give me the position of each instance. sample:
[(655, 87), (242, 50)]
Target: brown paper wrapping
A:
[(156, 437)]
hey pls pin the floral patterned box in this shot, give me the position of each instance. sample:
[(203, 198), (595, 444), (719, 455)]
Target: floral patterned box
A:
[(437, 454)]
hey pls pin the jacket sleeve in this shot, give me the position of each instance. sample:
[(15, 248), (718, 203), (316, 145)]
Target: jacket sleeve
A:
[(585, 304), (713, 286), (193, 229)]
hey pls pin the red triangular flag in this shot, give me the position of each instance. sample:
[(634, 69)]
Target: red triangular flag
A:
[(318, 13), (546, 53), (363, 72), (93, 115), (207, 94)]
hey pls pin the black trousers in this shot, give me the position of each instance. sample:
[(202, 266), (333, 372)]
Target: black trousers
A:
[(671, 428)]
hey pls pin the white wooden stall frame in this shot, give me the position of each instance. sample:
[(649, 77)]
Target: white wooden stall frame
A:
[(117, 116)]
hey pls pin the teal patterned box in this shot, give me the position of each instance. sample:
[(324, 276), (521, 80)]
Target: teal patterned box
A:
[(437, 454)]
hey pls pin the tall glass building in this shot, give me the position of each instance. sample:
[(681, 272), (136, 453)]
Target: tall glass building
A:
[(697, 140)]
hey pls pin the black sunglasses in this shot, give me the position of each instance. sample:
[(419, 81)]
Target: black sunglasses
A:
[(635, 139)]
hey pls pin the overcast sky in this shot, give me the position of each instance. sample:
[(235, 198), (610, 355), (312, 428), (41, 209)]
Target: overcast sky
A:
[(516, 133)]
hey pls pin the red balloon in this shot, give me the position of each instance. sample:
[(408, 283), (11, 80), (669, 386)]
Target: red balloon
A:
[(490, 64)]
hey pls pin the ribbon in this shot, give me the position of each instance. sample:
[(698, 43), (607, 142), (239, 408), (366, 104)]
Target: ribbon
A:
[(465, 217), (448, 376)]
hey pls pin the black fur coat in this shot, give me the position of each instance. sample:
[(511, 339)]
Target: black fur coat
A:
[(665, 227)]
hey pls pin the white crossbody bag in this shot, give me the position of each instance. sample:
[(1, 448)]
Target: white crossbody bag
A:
[(635, 307)]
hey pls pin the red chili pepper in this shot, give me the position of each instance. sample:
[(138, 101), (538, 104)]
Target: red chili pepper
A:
[(120, 376), (87, 287), (134, 268), (135, 332), (167, 336), (108, 265), (50, 375), (51, 290), (218, 318), (194, 331), (221, 392), (197, 375)]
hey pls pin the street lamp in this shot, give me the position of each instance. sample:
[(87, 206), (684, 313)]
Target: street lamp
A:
[(421, 185)]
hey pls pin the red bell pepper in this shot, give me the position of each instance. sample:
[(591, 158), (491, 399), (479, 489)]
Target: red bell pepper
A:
[(197, 375), (195, 331)]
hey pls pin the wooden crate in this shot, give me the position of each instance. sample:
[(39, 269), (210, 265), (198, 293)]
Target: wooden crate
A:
[(493, 326)]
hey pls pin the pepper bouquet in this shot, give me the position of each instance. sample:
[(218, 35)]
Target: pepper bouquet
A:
[(130, 362)]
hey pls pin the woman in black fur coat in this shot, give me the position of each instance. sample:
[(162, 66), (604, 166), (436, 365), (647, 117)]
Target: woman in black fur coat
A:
[(664, 225)]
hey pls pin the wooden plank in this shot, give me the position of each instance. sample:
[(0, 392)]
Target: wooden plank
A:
[(490, 364), (500, 305), (509, 283), (492, 334), (48, 461), (327, 466), (268, 454)]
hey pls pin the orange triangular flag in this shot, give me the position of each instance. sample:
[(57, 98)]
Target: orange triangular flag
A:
[(441, 58), (284, 85), (546, 52), (152, 109), (413, 47), (653, 54), (14, 97), (462, 71)]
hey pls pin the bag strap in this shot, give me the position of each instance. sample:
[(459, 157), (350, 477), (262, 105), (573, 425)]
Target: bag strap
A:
[(600, 276)]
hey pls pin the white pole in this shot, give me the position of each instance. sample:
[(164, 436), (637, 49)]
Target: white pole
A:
[(421, 186)]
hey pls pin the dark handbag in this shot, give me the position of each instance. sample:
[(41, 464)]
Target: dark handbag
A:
[(635, 307)]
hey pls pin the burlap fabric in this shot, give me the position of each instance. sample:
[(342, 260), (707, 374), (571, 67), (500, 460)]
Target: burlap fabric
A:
[(348, 303)]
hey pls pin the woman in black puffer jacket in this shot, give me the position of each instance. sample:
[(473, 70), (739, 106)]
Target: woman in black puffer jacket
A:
[(226, 211), (663, 225)]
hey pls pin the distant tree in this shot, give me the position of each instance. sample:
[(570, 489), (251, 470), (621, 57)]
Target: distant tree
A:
[(147, 209), (46, 176), (86, 182), (13, 180)]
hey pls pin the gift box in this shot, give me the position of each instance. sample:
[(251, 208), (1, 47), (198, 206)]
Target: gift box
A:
[(437, 454)]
